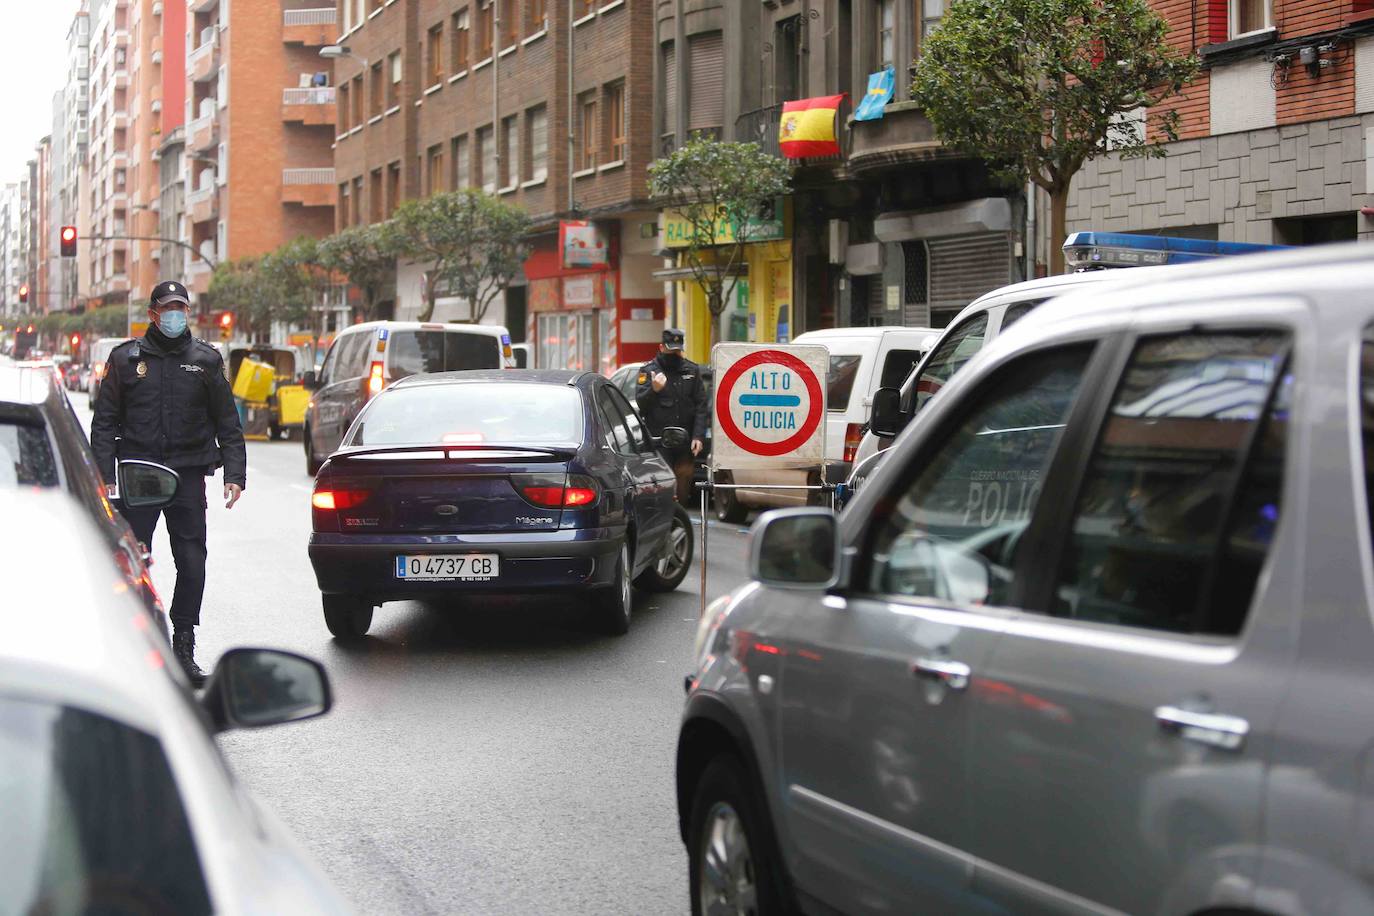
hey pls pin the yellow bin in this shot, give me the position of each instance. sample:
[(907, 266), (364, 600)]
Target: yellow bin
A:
[(291, 403), (254, 381)]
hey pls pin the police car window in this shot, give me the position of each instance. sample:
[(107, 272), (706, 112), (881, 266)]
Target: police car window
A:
[(93, 819), (632, 421), (618, 436), (26, 456), (953, 532), (352, 361), (839, 381), (1181, 497), (331, 359), (1016, 311), (958, 347), (897, 365)]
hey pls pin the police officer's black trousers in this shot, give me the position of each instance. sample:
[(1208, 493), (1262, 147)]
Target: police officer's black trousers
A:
[(186, 529)]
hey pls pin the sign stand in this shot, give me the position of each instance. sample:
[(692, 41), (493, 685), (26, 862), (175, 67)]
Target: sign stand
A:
[(768, 412)]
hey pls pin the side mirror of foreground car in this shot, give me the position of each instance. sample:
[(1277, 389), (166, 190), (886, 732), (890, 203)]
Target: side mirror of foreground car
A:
[(795, 548), (251, 688), (310, 381), (674, 437), (146, 485), (886, 419)]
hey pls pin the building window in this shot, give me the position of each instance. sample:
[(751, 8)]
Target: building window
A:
[(669, 96), (706, 82), (1251, 16), (358, 201), (434, 174), (615, 121), (343, 205), (583, 8), (536, 16), (358, 101), (378, 91), (510, 152), (434, 51), (932, 11), (537, 141), (484, 27), (393, 187), (510, 23), (485, 160), (462, 172), (586, 131), (393, 88), (460, 41), (887, 33), (343, 109), (376, 5), (376, 205)]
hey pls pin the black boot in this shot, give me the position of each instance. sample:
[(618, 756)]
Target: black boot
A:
[(184, 648)]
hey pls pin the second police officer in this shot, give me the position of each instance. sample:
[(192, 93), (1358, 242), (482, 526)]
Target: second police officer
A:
[(670, 392)]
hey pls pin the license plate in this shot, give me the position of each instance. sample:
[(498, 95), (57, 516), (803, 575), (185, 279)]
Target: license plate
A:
[(467, 566)]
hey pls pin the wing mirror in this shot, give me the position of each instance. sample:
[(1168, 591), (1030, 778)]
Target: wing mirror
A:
[(252, 688), (886, 419), (795, 548), (146, 484), (674, 437), (310, 381)]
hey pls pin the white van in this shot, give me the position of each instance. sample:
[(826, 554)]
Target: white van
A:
[(862, 360), (367, 357)]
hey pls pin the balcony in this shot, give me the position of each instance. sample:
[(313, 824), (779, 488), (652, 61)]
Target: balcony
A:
[(119, 120), (202, 204), (312, 28), (202, 64), (759, 126), (311, 107), (904, 136), (200, 6), (308, 187), (203, 133)]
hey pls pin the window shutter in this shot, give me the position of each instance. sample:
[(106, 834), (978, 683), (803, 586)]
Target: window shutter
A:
[(963, 268), (669, 88), (1218, 21), (706, 103)]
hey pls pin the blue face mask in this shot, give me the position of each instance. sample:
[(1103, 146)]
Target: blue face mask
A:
[(172, 323)]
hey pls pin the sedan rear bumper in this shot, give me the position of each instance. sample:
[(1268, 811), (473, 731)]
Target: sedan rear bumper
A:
[(529, 562)]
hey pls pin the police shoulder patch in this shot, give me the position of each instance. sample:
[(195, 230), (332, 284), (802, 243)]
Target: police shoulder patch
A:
[(643, 377)]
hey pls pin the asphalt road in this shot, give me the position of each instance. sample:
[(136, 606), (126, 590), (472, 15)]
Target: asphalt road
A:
[(482, 757)]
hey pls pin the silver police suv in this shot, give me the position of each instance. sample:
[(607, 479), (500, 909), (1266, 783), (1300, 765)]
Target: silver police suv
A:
[(1097, 637)]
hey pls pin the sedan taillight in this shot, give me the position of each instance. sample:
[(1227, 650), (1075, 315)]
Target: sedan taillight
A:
[(573, 492), (332, 497)]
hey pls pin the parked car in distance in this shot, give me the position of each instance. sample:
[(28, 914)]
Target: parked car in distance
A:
[(100, 354), (365, 358), (521, 481), (43, 445), (1094, 637), (116, 798), (862, 360), (523, 355)]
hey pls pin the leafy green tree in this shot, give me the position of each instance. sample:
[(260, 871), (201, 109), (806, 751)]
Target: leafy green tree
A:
[(366, 256), (718, 189), (246, 287), (474, 243), (1039, 87)]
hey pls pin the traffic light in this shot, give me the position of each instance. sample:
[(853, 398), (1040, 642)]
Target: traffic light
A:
[(226, 325), (23, 292), (68, 240), (76, 342)]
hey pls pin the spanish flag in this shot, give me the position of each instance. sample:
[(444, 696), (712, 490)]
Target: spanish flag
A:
[(808, 127)]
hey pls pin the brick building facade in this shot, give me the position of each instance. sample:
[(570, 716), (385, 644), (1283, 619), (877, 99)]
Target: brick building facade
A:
[(1275, 142), (416, 116)]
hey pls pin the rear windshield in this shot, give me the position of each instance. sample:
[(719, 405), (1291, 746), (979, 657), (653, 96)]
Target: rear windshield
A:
[(472, 414), (839, 383), (413, 352), (26, 457)]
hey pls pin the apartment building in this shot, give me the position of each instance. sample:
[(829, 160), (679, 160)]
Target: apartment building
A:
[(73, 205), (1277, 139), (259, 118), (108, 154), (11, 248), (544, 103)]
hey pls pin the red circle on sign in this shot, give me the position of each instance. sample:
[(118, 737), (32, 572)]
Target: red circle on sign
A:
[(727, 422)]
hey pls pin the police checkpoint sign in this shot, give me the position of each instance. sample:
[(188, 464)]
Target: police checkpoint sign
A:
[(769, 405)]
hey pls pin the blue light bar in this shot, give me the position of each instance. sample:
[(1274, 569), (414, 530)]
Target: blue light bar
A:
[(1089, 250)]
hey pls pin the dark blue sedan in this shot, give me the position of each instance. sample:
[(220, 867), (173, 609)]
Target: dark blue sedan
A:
[(499, 481)]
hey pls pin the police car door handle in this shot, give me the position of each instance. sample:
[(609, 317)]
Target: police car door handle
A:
[(1214, 730), (955, 675)]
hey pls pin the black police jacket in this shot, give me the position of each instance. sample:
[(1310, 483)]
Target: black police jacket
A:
[(167, 400), (682, 402)]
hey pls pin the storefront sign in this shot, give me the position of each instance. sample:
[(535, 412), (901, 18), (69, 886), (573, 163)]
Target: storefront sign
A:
[(583, 244), (769, 405), (763, 227), (579, 292)]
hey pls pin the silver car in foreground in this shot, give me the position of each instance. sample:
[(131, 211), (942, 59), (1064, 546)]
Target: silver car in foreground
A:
[(114, 797), (1097, 637)]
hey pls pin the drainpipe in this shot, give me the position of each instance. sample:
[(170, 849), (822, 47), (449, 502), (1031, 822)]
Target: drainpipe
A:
[(496, 87), (1031, 229), (572, 113)]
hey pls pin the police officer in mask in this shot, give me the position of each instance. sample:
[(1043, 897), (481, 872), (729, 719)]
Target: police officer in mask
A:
[(164, 398), (670, 392)]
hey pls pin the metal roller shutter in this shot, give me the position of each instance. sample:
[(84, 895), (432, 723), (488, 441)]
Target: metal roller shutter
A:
[(964, 268), (669, 88), (706, 102)]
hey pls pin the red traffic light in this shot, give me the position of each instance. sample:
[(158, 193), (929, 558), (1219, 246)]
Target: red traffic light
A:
[(226, 320), (76, 341), (23, 292), (67, 237)]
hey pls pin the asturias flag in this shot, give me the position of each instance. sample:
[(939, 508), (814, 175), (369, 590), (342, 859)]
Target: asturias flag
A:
[(880, 87), (808, 127)]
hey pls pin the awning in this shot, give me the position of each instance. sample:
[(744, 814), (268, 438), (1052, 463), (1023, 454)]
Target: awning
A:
[(686, 273)]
